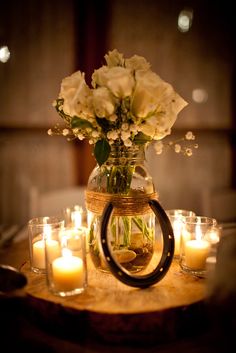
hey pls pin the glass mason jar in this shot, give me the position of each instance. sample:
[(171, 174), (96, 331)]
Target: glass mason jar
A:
[(124, 180)]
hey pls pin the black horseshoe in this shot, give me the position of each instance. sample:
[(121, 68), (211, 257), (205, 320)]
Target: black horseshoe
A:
[(167, 254)]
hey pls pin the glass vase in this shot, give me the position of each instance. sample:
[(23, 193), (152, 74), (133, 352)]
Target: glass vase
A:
[(124, 180)]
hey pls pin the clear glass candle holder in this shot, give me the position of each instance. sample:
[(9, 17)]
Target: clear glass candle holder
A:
[(176, 218), (198, 239), (40, 230), (74, 216), (67, 272)]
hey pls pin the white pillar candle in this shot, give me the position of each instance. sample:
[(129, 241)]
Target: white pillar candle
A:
[(67, 272), (39, 252), (196, 252)]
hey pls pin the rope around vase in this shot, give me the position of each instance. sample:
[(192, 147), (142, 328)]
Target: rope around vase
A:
[(123, 205)]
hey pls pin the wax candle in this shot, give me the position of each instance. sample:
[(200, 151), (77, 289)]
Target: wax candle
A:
[(67, 272), (75, 237), (39, 252), (196, 252)]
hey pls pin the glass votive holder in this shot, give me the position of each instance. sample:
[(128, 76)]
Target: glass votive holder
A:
[(198, 238), (176, 219), (67, 272), (73, 216), (40, 230)]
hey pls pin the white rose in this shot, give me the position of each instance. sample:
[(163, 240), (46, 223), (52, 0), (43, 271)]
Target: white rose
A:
[(114, 58), (119, 80), (103, 102), (137, 62), (154, 96), (75, 93), (99, 77)]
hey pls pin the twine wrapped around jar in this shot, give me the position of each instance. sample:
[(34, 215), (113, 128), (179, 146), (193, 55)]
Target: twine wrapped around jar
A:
[(123, 205)]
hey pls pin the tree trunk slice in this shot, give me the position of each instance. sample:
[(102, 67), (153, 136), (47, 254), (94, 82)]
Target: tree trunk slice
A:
[(112, 312)]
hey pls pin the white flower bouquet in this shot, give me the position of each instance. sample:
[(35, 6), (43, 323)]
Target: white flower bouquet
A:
[(127, 105)]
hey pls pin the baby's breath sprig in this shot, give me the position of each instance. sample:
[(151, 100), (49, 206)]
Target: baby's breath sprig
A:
[(62, 131), (179, 145)]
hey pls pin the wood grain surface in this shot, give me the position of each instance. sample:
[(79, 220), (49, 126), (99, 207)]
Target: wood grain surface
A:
[(110, 311)]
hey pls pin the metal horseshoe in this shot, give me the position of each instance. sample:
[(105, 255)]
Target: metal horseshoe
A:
[(160, 271)]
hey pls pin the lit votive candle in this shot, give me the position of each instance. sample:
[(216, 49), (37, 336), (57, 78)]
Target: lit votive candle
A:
[(39, 252), (41, 230), (196, 246), (68, 273), (196, 252)]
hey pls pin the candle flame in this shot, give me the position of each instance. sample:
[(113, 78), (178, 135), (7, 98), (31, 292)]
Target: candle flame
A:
[(66, 253), (198, 231), (47, 231), (76, 218)]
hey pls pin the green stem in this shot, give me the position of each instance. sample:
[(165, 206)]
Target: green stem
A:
[(142, 226), (119, 179)]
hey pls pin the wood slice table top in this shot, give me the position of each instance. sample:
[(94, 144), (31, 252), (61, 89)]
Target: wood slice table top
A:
[(110, 312), (105, 294)]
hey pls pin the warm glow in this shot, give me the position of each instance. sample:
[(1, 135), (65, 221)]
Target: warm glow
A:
[(198, 231), (47, 230), (213, 236), (199, 95), (66, 253), (4, 54), (68, 272), (76, 218), (185, 20)]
